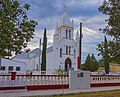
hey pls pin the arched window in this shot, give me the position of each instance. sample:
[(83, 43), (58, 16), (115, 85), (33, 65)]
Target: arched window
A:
[(69, 33), (66, 49), (74, 53), (59, 31), (69, 49), (60, 52), (37, 66), (60, 34), (66, 33)]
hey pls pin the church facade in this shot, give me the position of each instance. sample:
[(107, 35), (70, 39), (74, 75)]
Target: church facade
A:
[(63, 53)]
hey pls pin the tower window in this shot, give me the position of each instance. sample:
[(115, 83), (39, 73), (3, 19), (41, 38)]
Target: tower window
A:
[(60, 34), (66, 49), (37, 66), (69, 50), (66, 33), (59, 30), (69, 33), (60, 52), (74, 53)]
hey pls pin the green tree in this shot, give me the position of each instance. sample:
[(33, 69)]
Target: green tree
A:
[(82, 67), (101, 62), (60, 71), (94, 64), (114, 48), (106, 56), (90, 64), (43, 63), (15, 28), (104, 51), (111, 8), (87, 63)]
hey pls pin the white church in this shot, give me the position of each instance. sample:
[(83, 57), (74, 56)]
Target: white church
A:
[(64, 51)]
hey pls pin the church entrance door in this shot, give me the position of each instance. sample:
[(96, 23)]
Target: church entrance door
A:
[(68, 64)]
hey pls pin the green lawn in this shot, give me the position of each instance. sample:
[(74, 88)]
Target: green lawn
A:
[(113, 93)]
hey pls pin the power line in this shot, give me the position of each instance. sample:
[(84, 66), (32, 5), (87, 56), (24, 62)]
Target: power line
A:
[(89, 43), (92, 32)]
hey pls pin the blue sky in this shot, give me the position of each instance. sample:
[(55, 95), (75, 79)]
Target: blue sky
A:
[(48, 12)]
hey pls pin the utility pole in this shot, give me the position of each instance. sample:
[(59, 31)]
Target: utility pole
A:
[(80, 47), (39, 53)]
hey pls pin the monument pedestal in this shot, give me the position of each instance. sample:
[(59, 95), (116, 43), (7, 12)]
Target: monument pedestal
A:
[(79, 79)]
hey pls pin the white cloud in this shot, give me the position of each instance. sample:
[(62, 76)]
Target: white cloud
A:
[(91, 33), (91, 37), (90, 2), (47, 22), (84, 3), (91, 24), (39, 34)]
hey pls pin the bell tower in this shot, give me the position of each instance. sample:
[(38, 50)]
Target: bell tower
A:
[(65, 27), (64, 45)]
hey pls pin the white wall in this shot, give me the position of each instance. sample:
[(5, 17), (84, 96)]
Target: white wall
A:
[(50, 65), (63, 44), (7, 63), (79, 79), (26, 61)]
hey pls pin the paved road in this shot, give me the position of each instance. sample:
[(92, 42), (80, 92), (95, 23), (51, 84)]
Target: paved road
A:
[(22, 93)]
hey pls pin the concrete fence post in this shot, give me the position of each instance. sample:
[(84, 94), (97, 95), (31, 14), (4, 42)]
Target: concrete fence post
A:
[(79, 79), (13, 75)]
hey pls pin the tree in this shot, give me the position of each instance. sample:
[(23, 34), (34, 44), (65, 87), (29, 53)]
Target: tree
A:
[(101, 62), (60, 71), (15, 28), (87, 63), (43, 63), (91, 63), (104, 51), (94, 64), (114, 53), (106, 56), (111, 8)]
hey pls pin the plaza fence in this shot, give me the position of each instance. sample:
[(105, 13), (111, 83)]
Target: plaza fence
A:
[(105, 80), (42, 82), (33, 82)]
